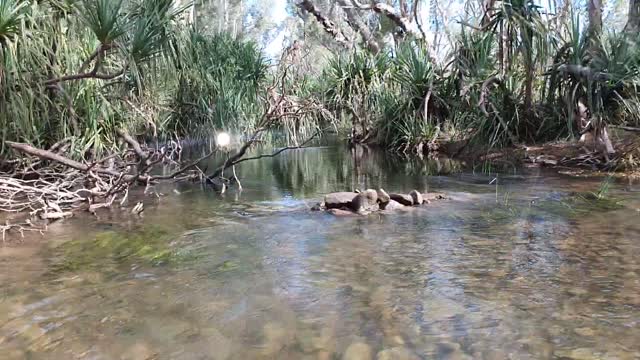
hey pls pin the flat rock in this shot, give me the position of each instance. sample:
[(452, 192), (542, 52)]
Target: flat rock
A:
[(365, 201), (585, 331), (339, 200), (139, 351), (403, 199)]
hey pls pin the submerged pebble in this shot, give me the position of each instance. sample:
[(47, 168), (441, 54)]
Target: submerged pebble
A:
[(276, 338), (358, 351), (396, 353)]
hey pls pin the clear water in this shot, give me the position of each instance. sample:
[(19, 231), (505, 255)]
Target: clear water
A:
[(541, 269)]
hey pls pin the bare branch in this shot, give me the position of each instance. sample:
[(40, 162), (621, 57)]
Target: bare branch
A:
[(417, 19), (392, 14), (96, 57), (134, 144), (89, 75), (276, 153), (328, 25), (48, 155)]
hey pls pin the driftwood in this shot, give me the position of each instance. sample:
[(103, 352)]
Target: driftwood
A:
[(20, 228), (625, 128), (60, 184)]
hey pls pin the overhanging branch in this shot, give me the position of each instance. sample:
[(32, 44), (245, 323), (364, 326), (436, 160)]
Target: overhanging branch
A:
[(392, 14), (329, 26)]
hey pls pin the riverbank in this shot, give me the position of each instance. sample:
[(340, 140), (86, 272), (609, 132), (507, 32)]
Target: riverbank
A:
[(572, 158)]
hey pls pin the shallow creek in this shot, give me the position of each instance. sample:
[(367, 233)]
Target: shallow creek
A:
[(535, 268)]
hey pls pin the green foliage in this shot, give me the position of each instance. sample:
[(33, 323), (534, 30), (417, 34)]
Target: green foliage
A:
[(11, 14), (386, 92), (509, 80), (228, 72), (151, 27), (161, 78), (411, 91), (349, 77), (104, 18)]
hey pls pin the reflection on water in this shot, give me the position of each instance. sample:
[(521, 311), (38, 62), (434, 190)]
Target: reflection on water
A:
[(536, 271)]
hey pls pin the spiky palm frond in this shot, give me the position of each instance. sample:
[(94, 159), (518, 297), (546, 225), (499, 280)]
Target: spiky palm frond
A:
[(150, 22), (105, 18), (11, 14)]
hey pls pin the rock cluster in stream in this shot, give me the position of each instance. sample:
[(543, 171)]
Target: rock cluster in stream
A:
[(365, 202)]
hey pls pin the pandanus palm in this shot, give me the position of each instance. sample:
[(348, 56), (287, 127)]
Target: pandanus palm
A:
[(11, 14), (522, 38), (606, 80), (523, 33)]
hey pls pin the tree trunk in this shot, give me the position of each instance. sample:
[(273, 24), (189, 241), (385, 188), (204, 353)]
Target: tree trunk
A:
[(595, 19), (225, 11), (359, 26), (416, 18), (563, 14), (633, 22), (501, 48)]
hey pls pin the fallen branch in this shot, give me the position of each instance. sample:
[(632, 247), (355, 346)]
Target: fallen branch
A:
[(274, 154), (143, 155), (47, 155)]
